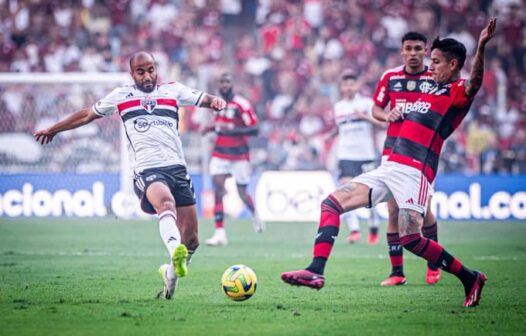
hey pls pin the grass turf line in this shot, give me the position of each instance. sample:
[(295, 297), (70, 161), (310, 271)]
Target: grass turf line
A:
[(94, 277)]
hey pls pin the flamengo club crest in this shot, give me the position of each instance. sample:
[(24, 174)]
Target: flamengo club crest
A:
[(148, 104), (411, 85)]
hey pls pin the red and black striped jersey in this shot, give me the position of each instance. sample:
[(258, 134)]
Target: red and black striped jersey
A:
[(428, 123), (240, 113), (400, 89)]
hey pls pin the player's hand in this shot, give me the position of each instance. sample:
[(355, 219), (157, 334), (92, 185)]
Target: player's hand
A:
[(395, 114), (488, 32), (217, 103), (44, 136)]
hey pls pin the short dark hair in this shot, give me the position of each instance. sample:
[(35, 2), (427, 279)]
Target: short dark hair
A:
[(452, 49), (414, 36), (348, 74)]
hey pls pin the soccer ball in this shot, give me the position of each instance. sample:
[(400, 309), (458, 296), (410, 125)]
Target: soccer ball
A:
[(239, 282)]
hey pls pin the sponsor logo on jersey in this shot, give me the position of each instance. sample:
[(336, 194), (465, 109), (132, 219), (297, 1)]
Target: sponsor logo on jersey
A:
[(411, 85), (419, 107), (142, 125), (149, 104), (397, 86)]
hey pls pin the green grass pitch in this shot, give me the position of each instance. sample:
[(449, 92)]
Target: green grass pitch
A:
[(99, 277)]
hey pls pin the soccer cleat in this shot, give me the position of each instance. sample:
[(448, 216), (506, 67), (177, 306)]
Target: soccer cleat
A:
[(217, 240), (433, 276), (170, 283), (394, 280), (258, 224), (473, 298), (179, 260), (303, 278), (354, 237), (372, 239)]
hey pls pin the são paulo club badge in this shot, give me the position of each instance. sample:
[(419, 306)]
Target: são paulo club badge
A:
[(148, 104)]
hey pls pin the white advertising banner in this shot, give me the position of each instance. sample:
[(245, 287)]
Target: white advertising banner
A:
[(292, 195)]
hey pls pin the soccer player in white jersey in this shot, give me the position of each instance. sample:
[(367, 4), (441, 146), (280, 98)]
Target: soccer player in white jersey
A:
[(356, 151), (149, 112)]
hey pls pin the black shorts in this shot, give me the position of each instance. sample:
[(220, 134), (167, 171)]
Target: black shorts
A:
[(175, 177), (351, 168)]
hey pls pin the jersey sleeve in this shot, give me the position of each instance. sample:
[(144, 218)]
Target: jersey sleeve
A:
[(381, 94), (186, 96), (460, 98), (247, 112), (107, 105)]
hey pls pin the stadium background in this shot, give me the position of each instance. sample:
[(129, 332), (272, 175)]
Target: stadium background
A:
[(286, 57)]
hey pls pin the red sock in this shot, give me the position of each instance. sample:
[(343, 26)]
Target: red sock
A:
[(219, 215), (327, 232)]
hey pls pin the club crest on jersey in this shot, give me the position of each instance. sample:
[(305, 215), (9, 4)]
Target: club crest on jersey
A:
[(148, 104), (411, 85)]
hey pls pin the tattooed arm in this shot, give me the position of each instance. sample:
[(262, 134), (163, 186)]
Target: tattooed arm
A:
[(477, 71)]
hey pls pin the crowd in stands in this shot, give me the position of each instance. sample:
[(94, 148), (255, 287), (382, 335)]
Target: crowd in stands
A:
[(286, 57)]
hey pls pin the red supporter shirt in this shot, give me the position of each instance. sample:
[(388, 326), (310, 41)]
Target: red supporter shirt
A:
[(402, 89), (429, 122), (239, 112)]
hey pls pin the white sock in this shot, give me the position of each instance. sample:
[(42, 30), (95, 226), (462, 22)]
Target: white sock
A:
[(374, 219), (352, 221), (169, 232), (220, 232), (189, 258)]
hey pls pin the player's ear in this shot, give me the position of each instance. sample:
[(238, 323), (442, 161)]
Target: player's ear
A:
[(453, 64)]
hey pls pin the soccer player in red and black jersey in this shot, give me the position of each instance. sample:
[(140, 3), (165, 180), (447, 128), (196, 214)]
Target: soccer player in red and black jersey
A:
[(410, 169), (231, 156), (400, 88)]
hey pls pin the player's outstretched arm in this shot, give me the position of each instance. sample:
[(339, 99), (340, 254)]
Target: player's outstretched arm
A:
[(74, 120), (213, 102), (477, 71)]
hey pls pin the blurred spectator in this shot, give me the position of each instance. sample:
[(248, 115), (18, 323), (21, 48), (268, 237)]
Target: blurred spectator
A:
[(287, 57)]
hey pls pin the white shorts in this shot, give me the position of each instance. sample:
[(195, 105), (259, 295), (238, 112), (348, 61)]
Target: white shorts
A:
[(431, 190), (407, 185), (239, 169)]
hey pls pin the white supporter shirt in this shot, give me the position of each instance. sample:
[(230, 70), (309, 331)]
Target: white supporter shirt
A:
[(355, 135), (151, 121)]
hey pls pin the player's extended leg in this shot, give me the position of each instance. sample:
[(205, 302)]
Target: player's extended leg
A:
[(430, 231), (410, 223), (219, 237), (349, 197), (188, 225), (396, 250), (353, 223), (162, 200), (259, 225)]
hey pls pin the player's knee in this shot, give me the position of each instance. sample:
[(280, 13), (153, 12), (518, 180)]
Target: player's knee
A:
[(166, 205), (192, 242)]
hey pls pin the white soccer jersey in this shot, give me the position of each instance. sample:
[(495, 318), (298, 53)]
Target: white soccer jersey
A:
[(355, 135), (151, 121)]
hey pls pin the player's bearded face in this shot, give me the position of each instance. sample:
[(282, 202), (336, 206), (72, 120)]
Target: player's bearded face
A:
[(145, 76), (225, 87)]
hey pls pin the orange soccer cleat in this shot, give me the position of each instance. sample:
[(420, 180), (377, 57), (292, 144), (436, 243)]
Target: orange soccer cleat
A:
[(433, 275), (394, 280), (303, 278), (372, 239), (473, 297), (354, 237)]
